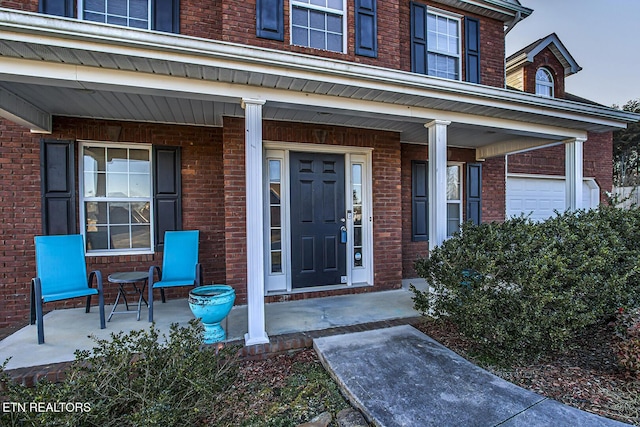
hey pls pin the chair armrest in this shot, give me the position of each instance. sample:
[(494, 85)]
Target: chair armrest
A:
[(98, 276), (151, 270)]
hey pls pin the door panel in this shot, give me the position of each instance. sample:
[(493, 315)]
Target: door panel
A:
[(317, 208)]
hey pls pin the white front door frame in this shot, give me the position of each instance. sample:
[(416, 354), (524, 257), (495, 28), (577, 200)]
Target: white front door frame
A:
[(280, 282)]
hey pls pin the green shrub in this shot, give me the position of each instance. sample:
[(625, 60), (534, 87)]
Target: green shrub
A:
[(628, 350), (135, 379), (520, 288)]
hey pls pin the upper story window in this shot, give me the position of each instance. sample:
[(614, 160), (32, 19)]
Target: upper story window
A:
[(128, 13), (443, 45), (436, 42), (544, 83), (320, 24)]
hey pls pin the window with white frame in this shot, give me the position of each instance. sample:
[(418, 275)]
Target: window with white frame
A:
[(128, 13), (544, 83), (116, 197), (443, 45), (454, 198), (318, 23)]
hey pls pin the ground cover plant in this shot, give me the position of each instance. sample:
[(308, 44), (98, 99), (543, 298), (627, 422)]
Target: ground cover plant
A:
[(143, 379), (520, 289)]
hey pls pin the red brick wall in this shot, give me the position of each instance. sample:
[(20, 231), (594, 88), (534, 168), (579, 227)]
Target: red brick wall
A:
[(386, 196), (202, 19), (239, 26), (598, 161), (235, 21), (26, 5), (19, 217), (20, 206), (548, 60), (493, 190), (411, 250)]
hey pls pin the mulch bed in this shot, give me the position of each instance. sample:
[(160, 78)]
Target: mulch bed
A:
[(586, 376)]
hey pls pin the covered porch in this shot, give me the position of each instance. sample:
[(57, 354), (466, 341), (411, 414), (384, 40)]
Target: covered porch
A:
[(78, 70), (289, 324)]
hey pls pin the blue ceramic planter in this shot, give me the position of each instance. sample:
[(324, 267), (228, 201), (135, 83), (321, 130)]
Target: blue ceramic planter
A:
[(211, 304)]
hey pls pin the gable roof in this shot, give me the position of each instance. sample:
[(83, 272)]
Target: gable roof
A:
[(528, 53)]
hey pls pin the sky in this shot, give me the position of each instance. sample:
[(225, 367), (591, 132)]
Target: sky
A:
[(602, 36)]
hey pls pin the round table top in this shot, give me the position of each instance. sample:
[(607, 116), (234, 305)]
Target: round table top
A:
[(128, 277)]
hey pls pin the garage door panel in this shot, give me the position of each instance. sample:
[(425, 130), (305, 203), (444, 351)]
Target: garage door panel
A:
[(541, 197)]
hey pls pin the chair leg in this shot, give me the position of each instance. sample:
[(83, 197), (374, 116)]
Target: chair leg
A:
[(162, 295), (38, 309), (101, 308), (150, 302), (32, 317), (88, 309)]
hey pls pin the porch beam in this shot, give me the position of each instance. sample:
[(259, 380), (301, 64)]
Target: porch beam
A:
[(257, 333), (23, 113), (513, 146), (574, 174), (437, 182)]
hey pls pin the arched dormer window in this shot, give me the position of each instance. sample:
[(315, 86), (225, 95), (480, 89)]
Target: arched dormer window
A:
[(544, 83)]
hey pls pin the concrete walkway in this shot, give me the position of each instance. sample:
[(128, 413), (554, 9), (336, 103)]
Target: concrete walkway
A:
[(400, 377)]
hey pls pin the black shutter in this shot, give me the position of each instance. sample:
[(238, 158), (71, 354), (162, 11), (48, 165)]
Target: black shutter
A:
[(166, 16), (57, 7), (418, 38), (419, 201), (366, 28), (270, 19), (57, 177), (474, 192), (472, 49), (167, 193)]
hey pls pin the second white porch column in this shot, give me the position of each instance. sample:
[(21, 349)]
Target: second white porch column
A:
[(437, 176), (573, 174), (257, 333)]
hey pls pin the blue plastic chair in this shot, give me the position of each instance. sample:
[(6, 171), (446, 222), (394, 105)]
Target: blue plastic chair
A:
[(61, 273), (180, 266)]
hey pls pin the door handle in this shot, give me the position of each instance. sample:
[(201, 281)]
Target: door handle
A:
[(343, 234)]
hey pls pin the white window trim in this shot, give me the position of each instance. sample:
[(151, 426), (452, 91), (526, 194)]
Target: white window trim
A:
[(450, 15), (81, 16), (280, 283), (550, 84), (82, 198), (342, 12)]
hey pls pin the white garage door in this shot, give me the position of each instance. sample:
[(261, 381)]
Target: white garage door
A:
[(541, 196)]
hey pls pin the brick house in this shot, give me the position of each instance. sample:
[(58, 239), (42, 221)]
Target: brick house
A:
[(319, 146)]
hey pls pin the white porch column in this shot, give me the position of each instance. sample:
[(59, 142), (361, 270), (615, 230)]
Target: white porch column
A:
[(573, 174), (255, 228), (437, 182)]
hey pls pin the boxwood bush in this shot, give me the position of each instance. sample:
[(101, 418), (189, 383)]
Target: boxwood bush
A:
[(521, 288)]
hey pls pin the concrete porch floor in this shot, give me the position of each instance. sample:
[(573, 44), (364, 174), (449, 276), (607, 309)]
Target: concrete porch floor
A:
[(68, 330)]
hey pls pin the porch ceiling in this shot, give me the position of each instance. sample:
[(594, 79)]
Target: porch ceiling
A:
[(54, 66)]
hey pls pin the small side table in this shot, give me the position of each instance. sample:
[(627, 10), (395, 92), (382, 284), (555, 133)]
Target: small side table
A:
[(133, 277)]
